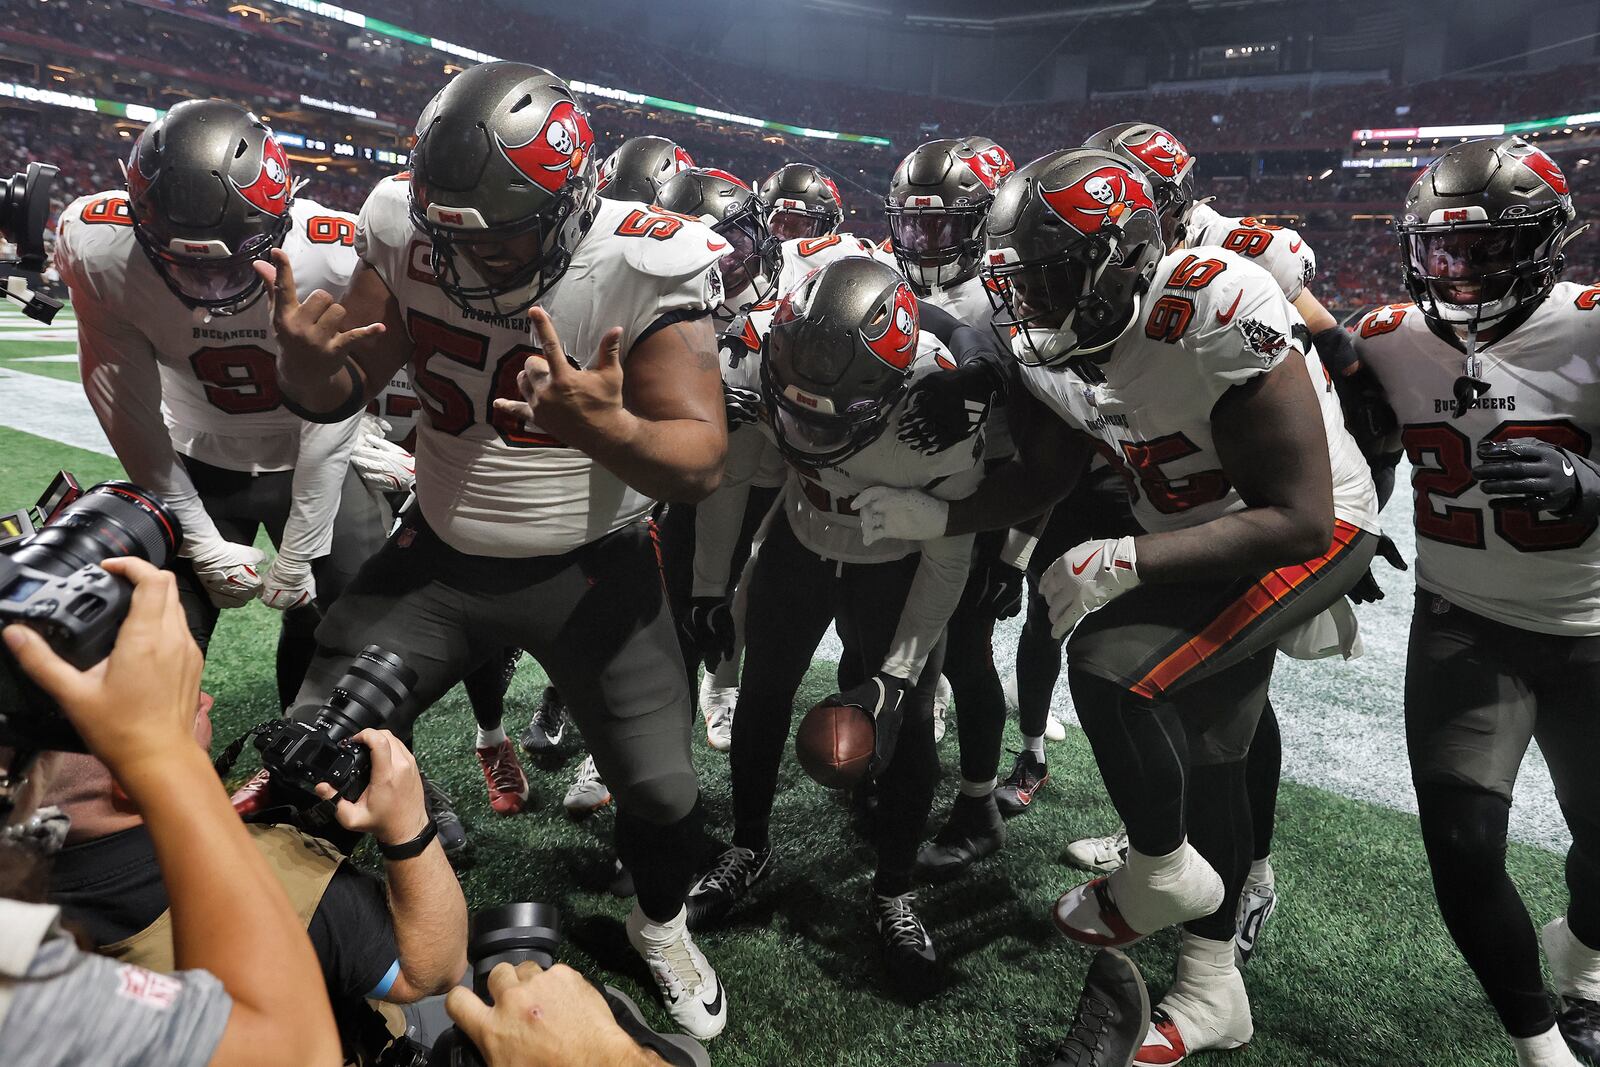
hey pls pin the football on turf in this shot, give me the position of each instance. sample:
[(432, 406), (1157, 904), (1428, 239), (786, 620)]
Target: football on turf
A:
[(835, 744)]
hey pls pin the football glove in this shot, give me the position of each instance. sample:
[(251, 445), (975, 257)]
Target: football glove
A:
[(1089, 576), (289, 584), (743, 405), (383, 465), (883, 698), (709, 627), (947, 407), (904, 514), (1367, 590), (995, 587), (229, 573), (1526, 472)]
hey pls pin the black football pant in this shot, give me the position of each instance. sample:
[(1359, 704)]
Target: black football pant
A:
[(794, 595), (969, 666), (595, 618), (1477, 691), (241, 504), (1170, 680)]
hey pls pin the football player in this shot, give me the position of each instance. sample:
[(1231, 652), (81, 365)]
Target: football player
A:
[(1258, 504), (802, 202), (1491, 371), (838, 355), (562, 348), (640, 167), (176, 349)]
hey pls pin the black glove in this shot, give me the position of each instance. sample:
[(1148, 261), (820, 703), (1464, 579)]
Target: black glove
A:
[(743, 405), (996, 587), (1528, 473), (709, 626), (947, 407), (1367, 590), (883, 697)]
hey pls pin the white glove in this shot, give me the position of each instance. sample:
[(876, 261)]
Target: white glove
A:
[(1087, 577), (289, 584), (382, 464), (903, 514), (230, 573)]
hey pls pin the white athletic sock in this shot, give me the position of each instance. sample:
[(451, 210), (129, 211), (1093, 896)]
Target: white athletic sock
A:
[(1575, 965), (1545, 1050), (1154, 892), (491, 738), (978, 789), (1034, 745), (1261, 873)]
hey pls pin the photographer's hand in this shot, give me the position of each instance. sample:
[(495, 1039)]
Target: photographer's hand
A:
[(540, 1018), (425, 902)]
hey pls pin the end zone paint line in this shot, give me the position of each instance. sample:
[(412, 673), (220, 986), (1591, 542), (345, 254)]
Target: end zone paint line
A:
[(52, 409)]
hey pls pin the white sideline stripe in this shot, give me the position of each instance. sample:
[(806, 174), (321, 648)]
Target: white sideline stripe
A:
[(50, 408), (68, 357)]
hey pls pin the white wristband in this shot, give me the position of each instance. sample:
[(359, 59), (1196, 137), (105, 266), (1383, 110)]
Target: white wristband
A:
[(1018, 549)]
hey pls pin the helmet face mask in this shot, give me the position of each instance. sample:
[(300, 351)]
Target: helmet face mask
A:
[(502, 271), (802, 202), (936, 247), (938, 200), (749, 268), (798, 223), (221, 283)]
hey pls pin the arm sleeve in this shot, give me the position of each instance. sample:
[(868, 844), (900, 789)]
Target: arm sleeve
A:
[(122, 380), (353, 935), (318, 478), (935, 591), (76, 1008)]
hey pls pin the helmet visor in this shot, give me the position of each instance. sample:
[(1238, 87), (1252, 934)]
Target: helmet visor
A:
[(796, 225), (932, 236), (222, 284), (1471, 266)]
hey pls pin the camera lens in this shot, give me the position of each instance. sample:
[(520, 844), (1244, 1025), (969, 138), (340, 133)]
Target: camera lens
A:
[(112, 519), (512, 933), (24, 207), (376, 684)]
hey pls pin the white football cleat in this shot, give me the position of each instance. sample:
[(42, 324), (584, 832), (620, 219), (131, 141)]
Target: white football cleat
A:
[(689, 985), (1054, 729), (1103, 854), (1256, 905), (588, 792), (1206, 1009), (716, 705), (1147, 894), (941, 703)]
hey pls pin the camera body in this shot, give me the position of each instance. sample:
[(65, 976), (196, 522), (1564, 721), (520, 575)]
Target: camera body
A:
[(303, 755), (51, 581), (24, 207)]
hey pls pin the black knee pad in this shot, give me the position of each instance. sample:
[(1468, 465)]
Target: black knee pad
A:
[(659, 800), (1464, 831)]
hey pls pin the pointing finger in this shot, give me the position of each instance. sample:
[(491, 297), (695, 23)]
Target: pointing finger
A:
[(287, 294), (549, 341)]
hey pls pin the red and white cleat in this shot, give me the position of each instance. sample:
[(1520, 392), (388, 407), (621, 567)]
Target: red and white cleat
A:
[(508, 784)]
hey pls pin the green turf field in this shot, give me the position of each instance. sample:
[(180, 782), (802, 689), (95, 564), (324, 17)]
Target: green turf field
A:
[(1355, 968)]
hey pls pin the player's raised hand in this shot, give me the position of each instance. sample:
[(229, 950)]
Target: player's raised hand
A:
[(311, 336), (564, 399)]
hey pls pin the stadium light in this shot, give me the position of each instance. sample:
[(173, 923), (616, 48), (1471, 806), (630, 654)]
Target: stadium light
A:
[(605, 92)]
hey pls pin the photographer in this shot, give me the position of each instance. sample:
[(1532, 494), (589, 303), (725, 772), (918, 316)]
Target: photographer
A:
[(260, 1002), (399, 949)]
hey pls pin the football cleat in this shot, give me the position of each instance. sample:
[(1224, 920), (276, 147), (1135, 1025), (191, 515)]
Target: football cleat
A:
[(973, 831), (1028, 776), (1148, 894), (549, 723), (729, 881), (588, 793), (1579, 1022), (1576, 969), (1206, 1009), (1054, 729), (942, 694), (442, 810), (1112, 1018), (689, 986), (1256, 905), (502, 772), (717, 704), (1104, 854), (908, 952), (254, 796)]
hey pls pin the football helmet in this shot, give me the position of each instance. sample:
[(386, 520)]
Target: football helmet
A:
[(990, 156), (503, 183), (801, 202), (1482, 232), (1166, 164), (937, 202), (209, 190), (838, 359), (749, 269), (640, 167), (1071, 244)]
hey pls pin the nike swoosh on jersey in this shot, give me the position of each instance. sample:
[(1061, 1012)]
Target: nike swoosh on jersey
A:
[(1233, 310), (1078, 568), (1295, 246), (715, 246)]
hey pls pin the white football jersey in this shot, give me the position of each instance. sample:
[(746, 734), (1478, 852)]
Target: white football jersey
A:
[(1210, 321), (803, 255), (218, 375), (398, 405), (488, 485), (1279, 250), (1530, 570)]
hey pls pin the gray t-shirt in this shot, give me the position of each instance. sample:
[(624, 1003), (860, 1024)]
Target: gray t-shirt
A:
[(74, 1008)]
